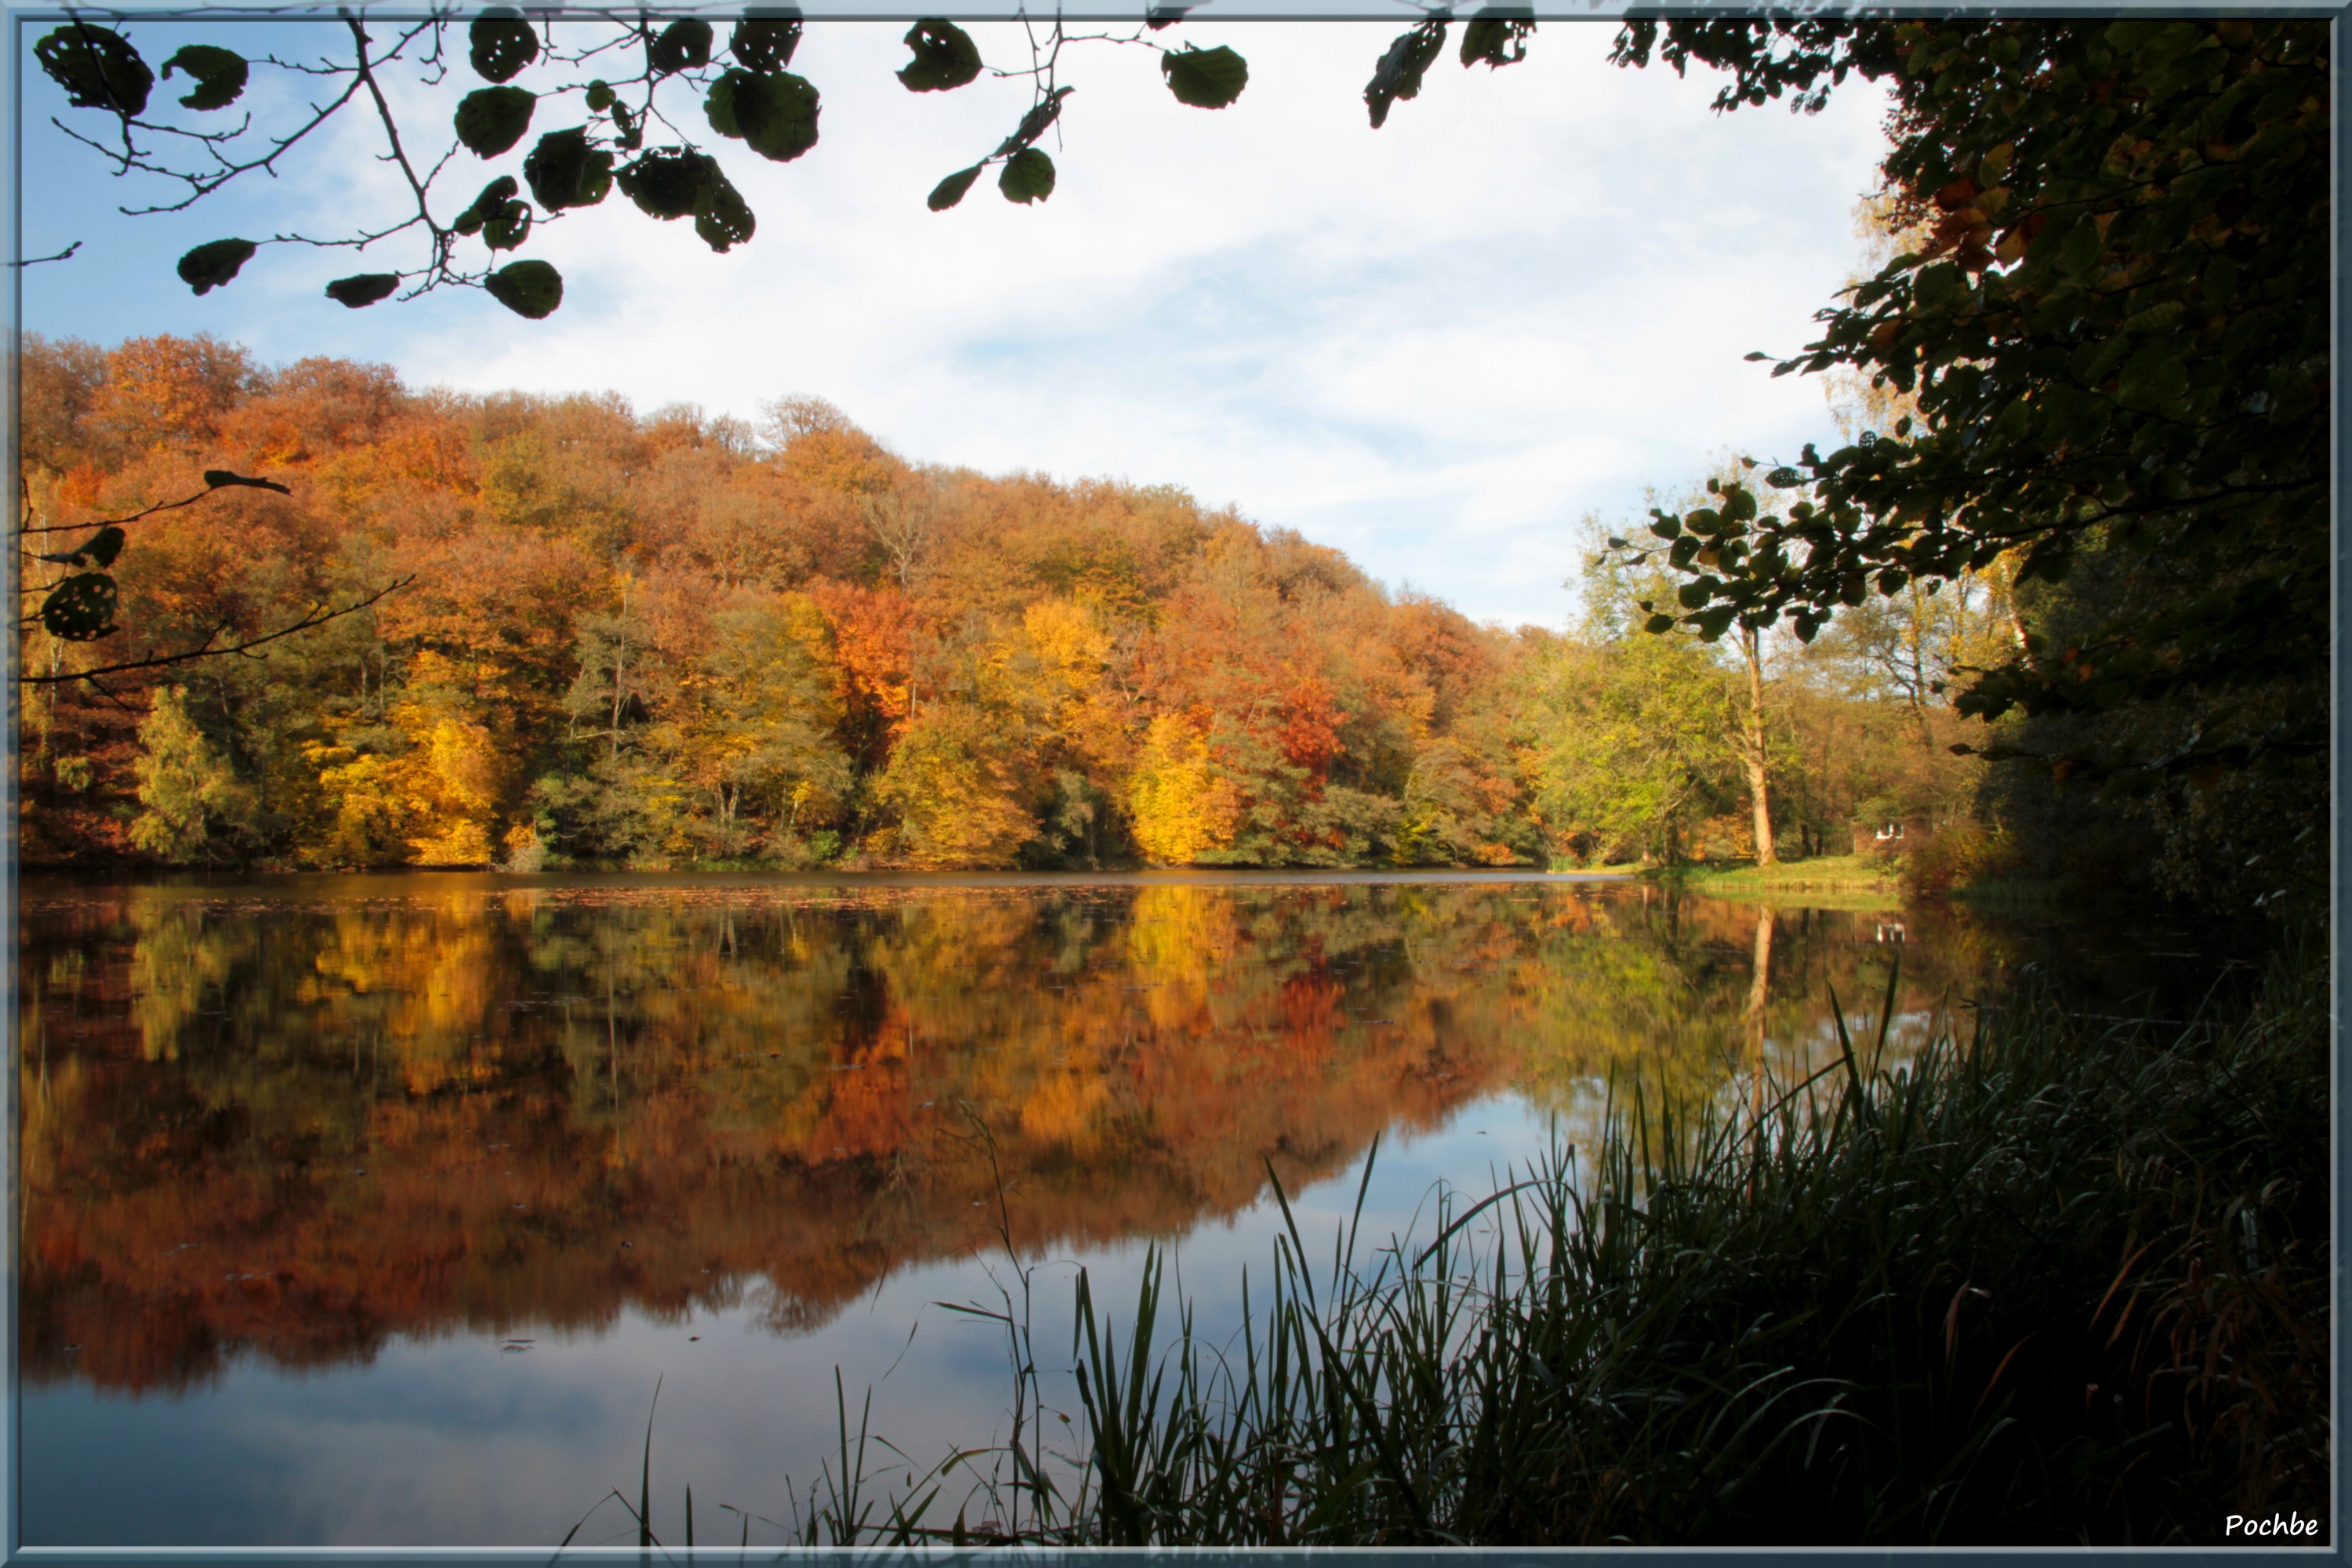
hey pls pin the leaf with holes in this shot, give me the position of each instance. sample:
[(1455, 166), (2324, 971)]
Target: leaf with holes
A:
[(363, 289), (945, 57), (80, 608), (507, 228), (499, 44), (1028, 176), (1205, 78), (667, 184), (950, 191), (531, 289), (1499, 40), (763, 41), (490, 120), (1400, 71), (96, 67), (776, 115), (564, 171), (210, 265), (684, 45), (721, 216), (219, 75)]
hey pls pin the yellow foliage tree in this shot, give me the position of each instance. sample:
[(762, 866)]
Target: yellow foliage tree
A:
[(438, 797), (1183, 804), (957, 791)]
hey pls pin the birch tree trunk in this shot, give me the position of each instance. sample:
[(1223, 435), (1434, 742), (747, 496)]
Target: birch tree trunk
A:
[(1753, 753)]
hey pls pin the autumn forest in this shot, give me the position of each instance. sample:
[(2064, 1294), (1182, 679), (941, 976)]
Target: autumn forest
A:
[(665, 640)]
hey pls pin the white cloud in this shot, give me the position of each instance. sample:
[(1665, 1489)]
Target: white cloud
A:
[(1436, 346)]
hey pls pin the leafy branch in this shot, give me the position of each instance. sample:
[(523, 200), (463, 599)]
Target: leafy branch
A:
[(632, 139), (212, 647), (80, 607)]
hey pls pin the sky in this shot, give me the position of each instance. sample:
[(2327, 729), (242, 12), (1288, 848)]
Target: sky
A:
[(1438, 346)]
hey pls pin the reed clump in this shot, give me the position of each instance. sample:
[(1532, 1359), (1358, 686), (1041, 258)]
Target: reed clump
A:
[(2053, 1282)]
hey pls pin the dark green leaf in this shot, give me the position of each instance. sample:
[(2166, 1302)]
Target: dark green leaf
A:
[(103, 546), (209, 266), (1028, 176), (490, 120), (99, 549), (80, 608), (531, 289), (601, 96), (500, 44), (96, 67), (219, 75), (564, 171), (497, 215), (494, 195), (1033, 125), (223, 478), (363, 289), (1205, 78), (684, 45), (945, 57), (950, 191), (1400, 71), (507, 228), (723, 218), (776, 115), (1659, 624), (667, 184), (1497, 39), (763, 42)]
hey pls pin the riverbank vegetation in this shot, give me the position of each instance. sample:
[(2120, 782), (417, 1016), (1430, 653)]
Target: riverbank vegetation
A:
[(672, 640), (1834, 875), (2055, 1280)]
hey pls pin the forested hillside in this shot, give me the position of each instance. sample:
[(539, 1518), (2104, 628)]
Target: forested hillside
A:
[(670, 640)]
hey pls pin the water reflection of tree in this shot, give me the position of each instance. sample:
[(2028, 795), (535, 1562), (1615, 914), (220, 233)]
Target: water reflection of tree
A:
[(305, 1128)]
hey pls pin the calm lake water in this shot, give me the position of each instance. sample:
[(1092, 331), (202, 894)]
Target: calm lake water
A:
[(371, 1209)]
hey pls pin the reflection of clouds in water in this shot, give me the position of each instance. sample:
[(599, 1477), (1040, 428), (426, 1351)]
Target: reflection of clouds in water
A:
[(610, 1117)]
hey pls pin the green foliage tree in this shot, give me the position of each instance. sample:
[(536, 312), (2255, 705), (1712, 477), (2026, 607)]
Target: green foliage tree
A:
[(2116, 339), (192, 799), (1630, 751), (1632, 740)]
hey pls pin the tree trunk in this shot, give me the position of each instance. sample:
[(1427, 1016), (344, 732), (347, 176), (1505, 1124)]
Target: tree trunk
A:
[(1760, 993), (1766, 854), (620, 670)]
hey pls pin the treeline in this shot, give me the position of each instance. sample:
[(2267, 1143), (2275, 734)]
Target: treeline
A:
[(673, 639)]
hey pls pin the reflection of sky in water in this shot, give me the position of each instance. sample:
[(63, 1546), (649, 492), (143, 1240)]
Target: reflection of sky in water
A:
[(1225, 1018), (456, 1439)]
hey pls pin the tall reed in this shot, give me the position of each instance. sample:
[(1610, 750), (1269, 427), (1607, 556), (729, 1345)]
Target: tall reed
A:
[(2053, 1283)]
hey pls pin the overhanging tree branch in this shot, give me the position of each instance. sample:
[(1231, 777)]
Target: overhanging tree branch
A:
[(319, 615)]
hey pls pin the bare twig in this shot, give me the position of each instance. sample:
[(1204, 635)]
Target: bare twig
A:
[(151, 511), (61, 256)]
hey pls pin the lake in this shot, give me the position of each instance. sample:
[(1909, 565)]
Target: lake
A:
[(374, 1209)]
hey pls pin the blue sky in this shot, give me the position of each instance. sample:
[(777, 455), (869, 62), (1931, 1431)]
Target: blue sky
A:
[(1436, 346)]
